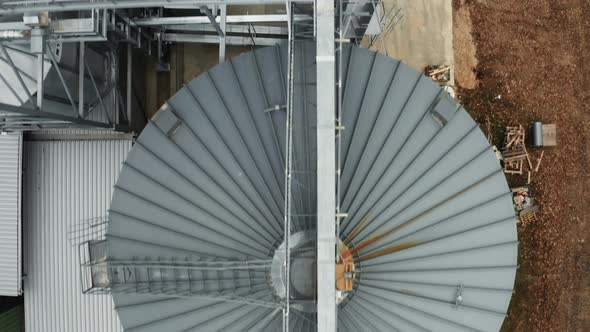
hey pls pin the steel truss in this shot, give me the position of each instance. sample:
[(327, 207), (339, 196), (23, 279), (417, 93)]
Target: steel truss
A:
[(109, 23)]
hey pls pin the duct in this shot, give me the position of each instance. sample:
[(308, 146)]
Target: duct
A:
[(537, 133), (61, 66), (67, 56), (61, 88)]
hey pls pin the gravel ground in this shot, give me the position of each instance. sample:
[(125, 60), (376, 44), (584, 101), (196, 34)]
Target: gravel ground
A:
[(532, 63)]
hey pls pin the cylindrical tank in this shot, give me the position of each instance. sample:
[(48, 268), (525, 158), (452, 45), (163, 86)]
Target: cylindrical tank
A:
[(537, 133), (429, 240)]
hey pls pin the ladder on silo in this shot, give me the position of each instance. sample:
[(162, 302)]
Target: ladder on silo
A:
[(188, 277)]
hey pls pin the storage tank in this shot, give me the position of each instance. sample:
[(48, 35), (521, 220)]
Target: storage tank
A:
[(195, 233)]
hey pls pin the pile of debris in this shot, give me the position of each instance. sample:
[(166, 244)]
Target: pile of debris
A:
[(515, 155), (524, 204), (440, 74), (517, 161)]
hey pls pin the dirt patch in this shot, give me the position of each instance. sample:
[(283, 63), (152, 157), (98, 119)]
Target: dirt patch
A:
[(465, 60), (534, 65)]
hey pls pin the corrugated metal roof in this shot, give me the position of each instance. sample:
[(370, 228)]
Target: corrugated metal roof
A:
[(429, 216), (66, 182), (10, 214)]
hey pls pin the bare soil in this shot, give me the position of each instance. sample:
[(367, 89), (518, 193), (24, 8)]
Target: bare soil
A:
[(532, 63), (464, 48)]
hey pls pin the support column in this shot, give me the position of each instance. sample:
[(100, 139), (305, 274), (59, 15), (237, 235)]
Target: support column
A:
[(38, 48), (81, 69), (129, 82), (222, 25), (326, 166)]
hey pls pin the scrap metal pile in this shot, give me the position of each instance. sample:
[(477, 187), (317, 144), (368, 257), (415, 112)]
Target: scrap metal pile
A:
[(515, 155), (517, 161)]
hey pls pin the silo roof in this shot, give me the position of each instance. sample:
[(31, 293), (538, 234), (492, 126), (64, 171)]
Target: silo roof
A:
[(429, 214)]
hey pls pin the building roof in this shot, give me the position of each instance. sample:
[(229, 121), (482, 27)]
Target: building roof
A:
[(65, 184), (10, 215)]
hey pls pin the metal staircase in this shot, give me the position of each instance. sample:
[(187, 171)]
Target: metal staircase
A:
[(238, 281)]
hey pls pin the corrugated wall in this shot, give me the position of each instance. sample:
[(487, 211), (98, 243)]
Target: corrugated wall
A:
[(10, 214), (65, 182)]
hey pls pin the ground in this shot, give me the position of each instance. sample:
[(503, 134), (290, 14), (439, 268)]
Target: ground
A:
[(523, 61), (421, 33)]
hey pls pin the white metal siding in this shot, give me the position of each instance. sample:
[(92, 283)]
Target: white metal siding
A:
[(10, 214), (66, 182)]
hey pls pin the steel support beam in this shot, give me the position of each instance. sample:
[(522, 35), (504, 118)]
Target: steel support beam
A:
[(230, 19), (234, 29), (288, 174), (40, 115), (212, 19), (81, 69), (117, 92), (73, 25), (40, 79), (22, 6), (208, 39), (129, 82), (205, 10), (14, 26), (326, 166), (222, 35), (38, 48)]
